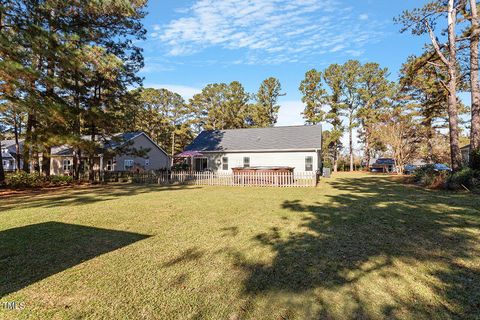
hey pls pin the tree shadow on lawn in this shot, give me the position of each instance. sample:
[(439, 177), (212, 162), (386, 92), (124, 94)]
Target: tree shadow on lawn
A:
[(386, 230), (31, 253), (74, 197)]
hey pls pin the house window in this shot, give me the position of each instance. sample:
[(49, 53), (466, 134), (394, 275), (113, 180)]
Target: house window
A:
[(224, 163), (201, 164), (128, 164), (246, 162), (109, 165), (147, 162), (5, 163), (66, 165), (308, 163)]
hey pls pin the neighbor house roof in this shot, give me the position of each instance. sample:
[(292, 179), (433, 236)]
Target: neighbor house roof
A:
[(259, 139), (110, 143), (6, 156), (9, 145)]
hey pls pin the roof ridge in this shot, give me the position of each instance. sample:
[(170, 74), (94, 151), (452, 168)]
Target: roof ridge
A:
[(260, 128)]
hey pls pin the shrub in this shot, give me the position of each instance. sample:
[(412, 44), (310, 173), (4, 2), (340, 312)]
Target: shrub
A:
[(23, 179), (180, 167), (475, 160), (60, 180), (466, 177)]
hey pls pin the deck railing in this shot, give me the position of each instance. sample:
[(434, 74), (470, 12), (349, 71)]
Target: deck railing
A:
[(259, 179)]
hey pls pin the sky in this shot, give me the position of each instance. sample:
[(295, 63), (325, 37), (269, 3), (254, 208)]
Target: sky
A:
[(191, 43)]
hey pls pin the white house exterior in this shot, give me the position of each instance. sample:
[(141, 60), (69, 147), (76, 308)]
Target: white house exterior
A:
[(298, 147), (9, 155)]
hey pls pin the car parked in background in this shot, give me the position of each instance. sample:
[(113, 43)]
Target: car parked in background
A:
[(441, 167), (409, 169)]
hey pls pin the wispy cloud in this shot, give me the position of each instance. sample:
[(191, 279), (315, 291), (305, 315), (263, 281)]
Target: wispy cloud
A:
[(268, 31)]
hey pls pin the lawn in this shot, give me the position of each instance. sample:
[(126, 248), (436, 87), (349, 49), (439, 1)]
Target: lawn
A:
[(357, 246)]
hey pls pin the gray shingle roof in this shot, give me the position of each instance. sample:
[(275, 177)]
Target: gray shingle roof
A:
[(256, 139), (105, 143)]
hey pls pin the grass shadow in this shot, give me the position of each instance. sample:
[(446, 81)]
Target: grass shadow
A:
[(81, 196), (31, 253), (372, 225)]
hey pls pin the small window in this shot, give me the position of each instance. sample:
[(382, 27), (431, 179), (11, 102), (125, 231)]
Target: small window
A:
[(246, 162), (309, 163), (66, 164), (147, 162), (224, 163), (109, 165), (128, 164), (4, 162)]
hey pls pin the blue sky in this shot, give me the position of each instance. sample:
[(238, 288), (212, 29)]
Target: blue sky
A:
[(195, 42)]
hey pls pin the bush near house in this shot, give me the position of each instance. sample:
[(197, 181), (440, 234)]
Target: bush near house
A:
[(24, 179), (466, 178)]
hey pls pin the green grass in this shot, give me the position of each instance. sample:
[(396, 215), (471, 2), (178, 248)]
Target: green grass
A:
[(356, 246)]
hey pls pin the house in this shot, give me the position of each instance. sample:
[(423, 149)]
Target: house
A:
[(297, 147), (9, 155), (385, 165), (130, 151), (465, 154)]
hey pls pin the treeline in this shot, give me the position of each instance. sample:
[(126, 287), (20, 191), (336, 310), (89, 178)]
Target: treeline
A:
[(65, 70), (173, 122), (408, 118)]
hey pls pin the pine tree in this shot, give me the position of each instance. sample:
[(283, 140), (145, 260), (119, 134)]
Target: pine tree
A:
[(265, 111)]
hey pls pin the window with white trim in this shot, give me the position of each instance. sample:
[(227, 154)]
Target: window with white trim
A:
[(224, 163), (246, 162), (109, 165), (128, 164), (67, 164), (308, 163), (147, 162)]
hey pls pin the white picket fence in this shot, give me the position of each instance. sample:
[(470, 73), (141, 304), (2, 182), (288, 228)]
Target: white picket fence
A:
[(259, 179)]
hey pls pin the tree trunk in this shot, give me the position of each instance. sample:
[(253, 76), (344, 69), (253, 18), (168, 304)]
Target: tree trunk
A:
[(350, 141), (451, 64), (91, 158), (46, 156), (27, 145), (475, 88), (367, 145), (17, 144), (335, 158), (2, 172), (456, 155)]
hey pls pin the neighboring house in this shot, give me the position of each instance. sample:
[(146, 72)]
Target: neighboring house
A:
[(386, 165), (119, 153), (465, 153), (298, 147), (9, 155)]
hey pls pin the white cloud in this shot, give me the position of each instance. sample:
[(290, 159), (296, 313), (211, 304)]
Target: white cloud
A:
[(185, 91), (270, 31), (363, 17), (290, 113)]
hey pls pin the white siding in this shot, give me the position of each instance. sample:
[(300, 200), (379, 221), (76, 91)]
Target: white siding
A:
[(295, 159)]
